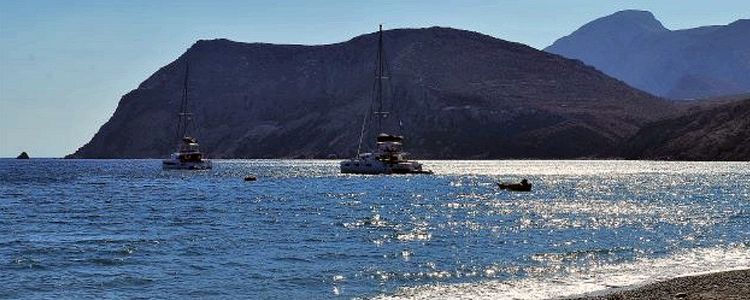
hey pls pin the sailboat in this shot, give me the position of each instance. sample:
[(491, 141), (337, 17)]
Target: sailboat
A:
[(188, 155), (388, 157)]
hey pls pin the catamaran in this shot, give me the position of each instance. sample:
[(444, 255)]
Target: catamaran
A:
[(188, 156), (388, 156)]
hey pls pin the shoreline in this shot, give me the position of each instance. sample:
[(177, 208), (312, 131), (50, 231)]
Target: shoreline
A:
[(419, 159), (720, 285)]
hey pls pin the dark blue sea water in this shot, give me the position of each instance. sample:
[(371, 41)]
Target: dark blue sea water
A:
[(126, 229)]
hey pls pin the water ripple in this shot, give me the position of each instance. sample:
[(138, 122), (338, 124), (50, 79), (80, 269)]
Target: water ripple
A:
[(127, 229)]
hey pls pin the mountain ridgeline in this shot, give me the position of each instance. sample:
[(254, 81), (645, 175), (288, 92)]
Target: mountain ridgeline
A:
[(460, 94), (635, 47)]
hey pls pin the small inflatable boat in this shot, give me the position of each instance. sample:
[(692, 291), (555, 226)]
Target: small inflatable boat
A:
[(524, 186)]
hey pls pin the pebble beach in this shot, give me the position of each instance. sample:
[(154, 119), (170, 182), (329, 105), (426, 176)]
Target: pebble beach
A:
[(728, 285)]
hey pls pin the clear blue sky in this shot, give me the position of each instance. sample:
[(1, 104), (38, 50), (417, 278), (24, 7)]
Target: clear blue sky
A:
[(65, 64)]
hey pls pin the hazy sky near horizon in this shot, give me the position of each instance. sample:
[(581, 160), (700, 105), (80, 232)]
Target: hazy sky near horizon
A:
[(65, 64)]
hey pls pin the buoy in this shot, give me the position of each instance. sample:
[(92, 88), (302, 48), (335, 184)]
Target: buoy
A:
[(250, 178)]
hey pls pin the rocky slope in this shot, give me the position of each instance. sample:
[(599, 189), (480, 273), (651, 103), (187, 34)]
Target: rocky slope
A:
[(707, 132), (633, 46), (460, 94)]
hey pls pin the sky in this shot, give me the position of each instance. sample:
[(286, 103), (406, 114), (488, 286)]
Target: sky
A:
[(65, 64)]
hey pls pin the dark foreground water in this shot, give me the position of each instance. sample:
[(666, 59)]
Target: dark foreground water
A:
[(127, 229)]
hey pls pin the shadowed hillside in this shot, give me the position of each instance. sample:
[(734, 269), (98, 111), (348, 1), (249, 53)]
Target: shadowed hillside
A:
[(460, 94), (719, 132)]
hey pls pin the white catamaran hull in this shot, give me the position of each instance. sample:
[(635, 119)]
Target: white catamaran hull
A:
[(176, 164), (375, 166)]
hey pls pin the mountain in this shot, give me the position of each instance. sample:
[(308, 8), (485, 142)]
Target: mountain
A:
[(634, 47), (714, 132), (460, 94)]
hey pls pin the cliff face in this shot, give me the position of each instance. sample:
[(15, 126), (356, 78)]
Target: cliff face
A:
[(716, 132), (692, 63), (459, 94)]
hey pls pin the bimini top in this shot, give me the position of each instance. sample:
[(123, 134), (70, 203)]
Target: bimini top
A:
[(389, 138)]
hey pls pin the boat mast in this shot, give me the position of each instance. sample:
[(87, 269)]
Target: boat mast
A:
[(380, 76), (184, 115), (378, 86)]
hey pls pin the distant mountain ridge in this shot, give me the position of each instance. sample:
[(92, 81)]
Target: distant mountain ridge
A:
[(460, 94), (635, 47)]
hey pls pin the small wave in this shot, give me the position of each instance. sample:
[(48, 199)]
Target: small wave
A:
[(27, 263), (578, 254), (10, 243), (203, 293), (415, 235), (597, 278), (101, 261), (301, 281), (128, 281), (293, 259), (334, 256), (313, 240), (199, 268), (374, 221)]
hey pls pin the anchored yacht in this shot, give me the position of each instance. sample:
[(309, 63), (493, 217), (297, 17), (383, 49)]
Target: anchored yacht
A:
[(388, 156), (188, 156)]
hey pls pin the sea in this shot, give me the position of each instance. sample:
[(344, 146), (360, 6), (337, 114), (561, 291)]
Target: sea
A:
[(126, 229)]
